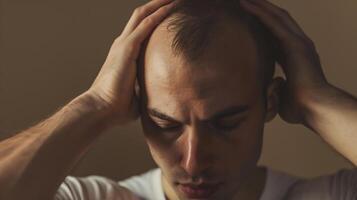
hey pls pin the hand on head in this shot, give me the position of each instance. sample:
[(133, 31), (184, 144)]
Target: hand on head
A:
[(297, 56), (114, 86)]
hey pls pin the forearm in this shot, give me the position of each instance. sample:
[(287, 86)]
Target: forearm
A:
[(332, 113), (34, 162)]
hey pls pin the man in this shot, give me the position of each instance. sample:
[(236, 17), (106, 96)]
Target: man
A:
[(203, 105)]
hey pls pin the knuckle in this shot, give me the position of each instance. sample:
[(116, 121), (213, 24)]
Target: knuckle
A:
[(296, 43), (307, 45), (118, 39), (309, 42), (140, 11), (135, 11), (284, 12), (130, 49), (123, 46), (165, 8), (148, 21)]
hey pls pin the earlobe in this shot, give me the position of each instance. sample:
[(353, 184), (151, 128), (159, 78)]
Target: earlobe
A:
[(273, 98)]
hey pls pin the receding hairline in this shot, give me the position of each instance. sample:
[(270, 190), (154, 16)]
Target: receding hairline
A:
[(215, 31), (180, 46), (181, 23)]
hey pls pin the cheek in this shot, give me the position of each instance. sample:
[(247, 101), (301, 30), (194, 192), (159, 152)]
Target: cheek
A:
[(160, 148), (246, 143)]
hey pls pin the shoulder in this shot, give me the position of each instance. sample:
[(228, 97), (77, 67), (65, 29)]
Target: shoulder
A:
[(147, 185), (277, 184), (91, 188), (341, 185)]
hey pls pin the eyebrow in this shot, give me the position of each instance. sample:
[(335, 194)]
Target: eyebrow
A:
[(154, 112), (231, 111), (227, 112)]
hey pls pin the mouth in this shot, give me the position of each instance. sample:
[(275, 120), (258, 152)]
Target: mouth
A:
[(201, 191)]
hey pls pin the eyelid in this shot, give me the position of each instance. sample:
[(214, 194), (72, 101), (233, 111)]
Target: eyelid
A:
[(232, 111), (162, 119), (158, 119), (165, 124), (235, 124), (237, 116), (170, 128)]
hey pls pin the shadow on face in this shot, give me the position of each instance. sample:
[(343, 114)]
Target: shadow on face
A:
[(203, 120)]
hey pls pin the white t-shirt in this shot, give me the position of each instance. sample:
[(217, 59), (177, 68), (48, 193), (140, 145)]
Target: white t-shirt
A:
[(339, 186)]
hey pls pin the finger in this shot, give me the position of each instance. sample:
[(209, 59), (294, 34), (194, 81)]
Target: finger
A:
[(276, 26), (289, 40), (149, 23), (268, 19), (141, 13), (282, 14)]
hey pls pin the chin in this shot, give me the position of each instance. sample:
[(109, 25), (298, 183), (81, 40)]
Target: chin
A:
[(219, 191)]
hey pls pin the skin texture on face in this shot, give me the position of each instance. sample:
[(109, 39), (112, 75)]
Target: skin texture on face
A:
[(203, 120)]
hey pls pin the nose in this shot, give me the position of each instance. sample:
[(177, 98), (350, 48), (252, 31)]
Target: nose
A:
[(196, 152)]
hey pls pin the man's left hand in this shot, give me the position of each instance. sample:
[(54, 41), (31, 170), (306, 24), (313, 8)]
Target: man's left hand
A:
[(306, 96), (296, 55)]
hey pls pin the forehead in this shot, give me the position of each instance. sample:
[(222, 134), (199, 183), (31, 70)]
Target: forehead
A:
[(225, 74)]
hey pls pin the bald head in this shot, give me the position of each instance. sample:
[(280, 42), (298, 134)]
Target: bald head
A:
[(199, 30), (231, 50), (226, 69)]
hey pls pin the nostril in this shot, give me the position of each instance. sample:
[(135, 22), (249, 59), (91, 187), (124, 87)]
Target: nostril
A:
[(195, 163)]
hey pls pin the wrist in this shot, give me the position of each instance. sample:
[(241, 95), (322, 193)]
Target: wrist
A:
[(88, 104), (108, 114), (314, 101)]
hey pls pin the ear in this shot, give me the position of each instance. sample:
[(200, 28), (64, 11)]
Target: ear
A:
[(273, 98)]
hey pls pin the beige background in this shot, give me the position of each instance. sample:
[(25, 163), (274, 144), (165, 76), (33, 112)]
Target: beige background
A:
[(52, 51)]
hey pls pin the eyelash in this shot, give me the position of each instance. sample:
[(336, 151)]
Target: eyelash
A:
[(169, 128), (222, 128), (228, 128)]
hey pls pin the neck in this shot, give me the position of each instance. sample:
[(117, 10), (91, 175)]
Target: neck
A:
[(254, 186), (251, 190)]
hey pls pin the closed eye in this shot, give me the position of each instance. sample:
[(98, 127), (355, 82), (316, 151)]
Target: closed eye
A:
[(167, 125), (228, 124)]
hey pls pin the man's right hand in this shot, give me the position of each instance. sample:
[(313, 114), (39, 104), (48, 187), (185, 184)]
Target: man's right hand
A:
[(61, 140), (114, 87)]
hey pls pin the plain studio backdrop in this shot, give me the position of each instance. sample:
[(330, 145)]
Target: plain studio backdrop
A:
[(51, 51)]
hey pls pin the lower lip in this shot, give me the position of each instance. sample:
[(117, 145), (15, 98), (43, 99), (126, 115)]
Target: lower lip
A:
[(198, 193)]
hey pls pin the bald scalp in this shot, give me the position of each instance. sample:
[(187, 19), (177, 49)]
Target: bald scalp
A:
[(193, 24)]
